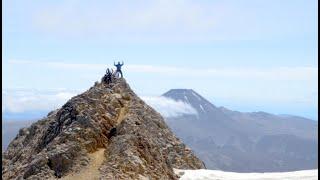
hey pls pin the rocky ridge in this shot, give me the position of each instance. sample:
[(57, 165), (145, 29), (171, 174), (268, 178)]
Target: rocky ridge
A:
[(136, 141)]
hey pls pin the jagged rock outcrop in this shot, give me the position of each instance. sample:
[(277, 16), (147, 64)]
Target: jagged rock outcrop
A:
[(137, 142)]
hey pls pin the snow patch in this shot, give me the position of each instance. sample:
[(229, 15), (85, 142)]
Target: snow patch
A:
[(223, 175), (202, 108), (196, 96), (186, 98)]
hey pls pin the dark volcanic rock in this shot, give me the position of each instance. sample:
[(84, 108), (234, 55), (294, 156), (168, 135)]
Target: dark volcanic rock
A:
[(137, 142)]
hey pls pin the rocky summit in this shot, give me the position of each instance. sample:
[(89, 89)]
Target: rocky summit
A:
[(107, 132)]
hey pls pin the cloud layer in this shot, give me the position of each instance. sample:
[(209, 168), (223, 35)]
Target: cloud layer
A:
[(268, 73), (141, 20), (25, 100), (168, 107), (164, 20)]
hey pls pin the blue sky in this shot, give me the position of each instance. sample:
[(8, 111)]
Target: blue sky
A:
[(246, 55)]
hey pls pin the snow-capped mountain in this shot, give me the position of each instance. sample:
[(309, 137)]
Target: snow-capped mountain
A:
[(191, 97), (245, 142)]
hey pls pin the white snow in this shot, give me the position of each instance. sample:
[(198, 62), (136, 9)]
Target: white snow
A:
[(204, 174), (202, 108), (186, 98), (196, 96)]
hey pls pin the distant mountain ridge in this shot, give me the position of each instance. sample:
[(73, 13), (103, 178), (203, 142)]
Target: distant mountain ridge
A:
[(226, 139)]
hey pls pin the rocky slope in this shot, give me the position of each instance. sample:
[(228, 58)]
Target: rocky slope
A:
[(136, 141)]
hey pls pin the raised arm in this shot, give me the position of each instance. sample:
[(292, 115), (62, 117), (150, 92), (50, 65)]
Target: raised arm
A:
[(114, 63), (122, 63)]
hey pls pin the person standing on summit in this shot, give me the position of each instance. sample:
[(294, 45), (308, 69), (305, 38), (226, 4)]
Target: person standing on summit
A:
[(118, 68)]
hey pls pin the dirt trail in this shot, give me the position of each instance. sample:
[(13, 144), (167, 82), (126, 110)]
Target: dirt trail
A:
[(96, 159), (122, 114), (92, 170)]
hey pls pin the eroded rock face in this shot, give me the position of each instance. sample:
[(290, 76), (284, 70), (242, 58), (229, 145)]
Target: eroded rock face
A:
[(138, 144)]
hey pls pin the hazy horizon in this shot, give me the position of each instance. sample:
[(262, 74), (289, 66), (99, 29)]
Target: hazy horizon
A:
[(55, 103)]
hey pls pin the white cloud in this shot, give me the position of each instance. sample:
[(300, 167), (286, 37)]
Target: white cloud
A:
[(152, 21), (17, 101), (58, 65), (168, 107), (249, 73), (138, 20), (162, 20), (23, 100)]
